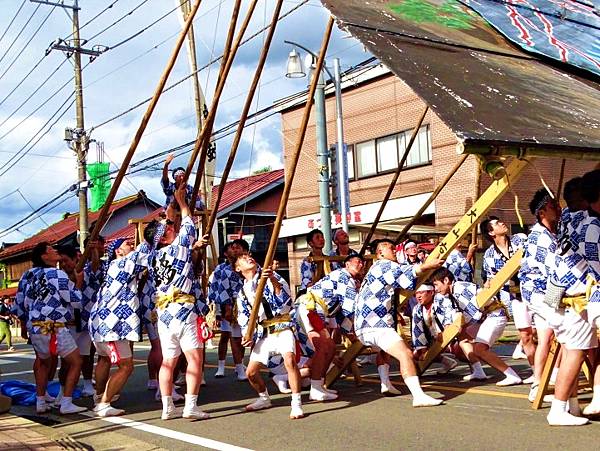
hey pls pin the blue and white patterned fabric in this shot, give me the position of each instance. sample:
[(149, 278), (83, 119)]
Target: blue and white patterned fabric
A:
[(20, 308), (569, 222), (458, 265), (49, 296), (173, 268), (427, 323), (374, 306), (307, 272), (146, 294), (223, 285), (493, 261), (336, 289), (464, 299), (280, 304), (92, 281), (169, 190), (587, 236), (116, 313)]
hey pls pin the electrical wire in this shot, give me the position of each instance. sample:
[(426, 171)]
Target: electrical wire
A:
[(123, 17), (20, 32), (20, 53), (94, 18), (12, 20)]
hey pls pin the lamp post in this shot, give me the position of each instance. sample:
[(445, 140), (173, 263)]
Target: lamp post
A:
[(295, 70)]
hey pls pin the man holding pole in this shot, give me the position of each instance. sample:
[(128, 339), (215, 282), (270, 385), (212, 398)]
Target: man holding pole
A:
[(375, 314), (316, 242), (275, 331), (180, 306)]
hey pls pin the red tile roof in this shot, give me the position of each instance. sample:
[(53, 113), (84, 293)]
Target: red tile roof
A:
[(236, 190), (63, 228)]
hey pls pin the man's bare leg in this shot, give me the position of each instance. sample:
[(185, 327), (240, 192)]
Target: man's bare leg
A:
[(567, 376), (484, 352)]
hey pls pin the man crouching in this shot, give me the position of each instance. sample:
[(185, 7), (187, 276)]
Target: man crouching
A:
[(274, 334)]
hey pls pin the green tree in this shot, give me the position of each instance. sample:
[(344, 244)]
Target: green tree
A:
[(262, 170)]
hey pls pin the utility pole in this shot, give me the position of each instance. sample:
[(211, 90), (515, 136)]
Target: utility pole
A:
[(77, 138)]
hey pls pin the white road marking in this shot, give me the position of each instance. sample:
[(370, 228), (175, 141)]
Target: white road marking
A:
[(164, 432)]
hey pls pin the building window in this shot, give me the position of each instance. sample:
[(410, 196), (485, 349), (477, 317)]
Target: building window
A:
[(382, 155)]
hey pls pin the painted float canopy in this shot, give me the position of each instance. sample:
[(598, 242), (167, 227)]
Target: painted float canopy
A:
[(489, 92)]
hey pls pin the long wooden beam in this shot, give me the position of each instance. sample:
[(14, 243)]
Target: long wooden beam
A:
[(289, 179), (392, 184), (103, 215), (242, 123)]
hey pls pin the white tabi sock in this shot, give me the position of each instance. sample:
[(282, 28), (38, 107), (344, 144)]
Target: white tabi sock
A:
[(87, 383), (265, 395), (509, 372), (413, 384), (297, 399), (316, 384), (477, 369), (40, 400), (66, 400), (190, 401), (596, 397), (384, 375), (558, 407), (168, 404), (221, 366), (240, 368)]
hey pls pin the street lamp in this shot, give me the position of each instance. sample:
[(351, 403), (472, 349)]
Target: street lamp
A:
[(295, 70)]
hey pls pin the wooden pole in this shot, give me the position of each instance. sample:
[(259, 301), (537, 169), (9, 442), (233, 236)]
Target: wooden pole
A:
[(428, 202), (289, 179), (244, 116), (201, 144), (102, 217), (561, 179), (393, 182)]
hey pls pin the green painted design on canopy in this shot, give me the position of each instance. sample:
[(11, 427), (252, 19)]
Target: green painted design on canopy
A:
[(447, 13)]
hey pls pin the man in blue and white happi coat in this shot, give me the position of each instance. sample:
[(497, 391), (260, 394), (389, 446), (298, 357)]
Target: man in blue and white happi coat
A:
[(274, 334), (503, 247), (482, 326), (180, 306), (430, 316), (223, 286), (545, 260), (459, 265), (308, 269), (116, 320), (375, 314), (316, 309), (48, 299)]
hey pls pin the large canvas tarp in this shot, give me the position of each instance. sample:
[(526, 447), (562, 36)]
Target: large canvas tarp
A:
[(484, 88), (565, 30)]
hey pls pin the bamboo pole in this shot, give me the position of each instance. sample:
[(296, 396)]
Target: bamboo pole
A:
[(561, 179), (244, 116), (393, 182), (201, 144), (102, 217), (428, 202), (289, 179)]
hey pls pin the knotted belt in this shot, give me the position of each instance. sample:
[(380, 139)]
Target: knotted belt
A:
[(173, 295), (579, 302), (270, 324), (50, 328), (496, 305)]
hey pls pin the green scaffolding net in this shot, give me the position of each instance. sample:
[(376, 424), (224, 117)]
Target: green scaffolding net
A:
[(99, 176)]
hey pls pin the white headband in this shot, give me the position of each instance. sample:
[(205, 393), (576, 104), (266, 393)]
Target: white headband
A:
[(425, 287)]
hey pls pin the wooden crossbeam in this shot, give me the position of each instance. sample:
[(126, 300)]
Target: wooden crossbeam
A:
[(483, 299), (347, 358), (450, 333)]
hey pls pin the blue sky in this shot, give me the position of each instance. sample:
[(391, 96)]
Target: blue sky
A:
[(126, 75)]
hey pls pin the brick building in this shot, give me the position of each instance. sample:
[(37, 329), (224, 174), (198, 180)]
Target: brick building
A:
[(379, 112)]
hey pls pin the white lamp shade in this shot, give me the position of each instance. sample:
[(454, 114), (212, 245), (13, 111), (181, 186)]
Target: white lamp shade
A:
[(294, 66)]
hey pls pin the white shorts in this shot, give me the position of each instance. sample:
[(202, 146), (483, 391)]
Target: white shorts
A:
[(235, 331), (379, 338), (489, 331), (571, 329), (123, 348), (279, 343), (151, 331), (522, 316), (179, 337), (65, 343), (83, 340)]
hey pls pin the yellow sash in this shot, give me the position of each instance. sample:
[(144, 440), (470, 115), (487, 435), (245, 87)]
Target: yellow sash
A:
[(497, 305), (579, 302), (173, 295), (311, 300), (47, 327), (276, 320)]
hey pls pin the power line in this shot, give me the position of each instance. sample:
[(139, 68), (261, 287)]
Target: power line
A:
[(118, 20), (27, 43), (94, 18), (19, 34), (12, 20), (187, 77)]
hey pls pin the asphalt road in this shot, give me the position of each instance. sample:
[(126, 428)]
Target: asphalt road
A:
[(475, 416)]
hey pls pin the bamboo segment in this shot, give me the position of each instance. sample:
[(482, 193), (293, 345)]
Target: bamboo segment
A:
[(244, 116), (102, 217), (393, 182), (288, 180)]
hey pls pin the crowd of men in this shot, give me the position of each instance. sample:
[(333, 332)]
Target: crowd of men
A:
[(155, 287)]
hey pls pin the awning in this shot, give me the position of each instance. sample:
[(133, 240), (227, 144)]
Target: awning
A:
[(397, 225)]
